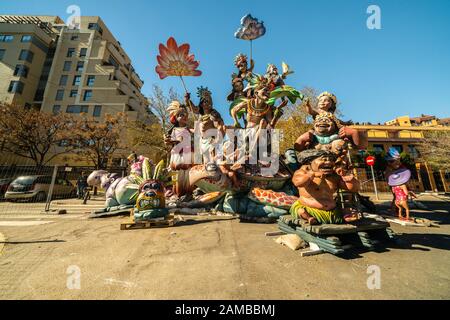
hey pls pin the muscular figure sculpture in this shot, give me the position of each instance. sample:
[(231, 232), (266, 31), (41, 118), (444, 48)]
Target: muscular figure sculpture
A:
[(317, 182)]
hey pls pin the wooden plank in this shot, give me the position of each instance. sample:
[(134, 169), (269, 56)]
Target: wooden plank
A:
[(274, 233), (167, 222), (406, 223)]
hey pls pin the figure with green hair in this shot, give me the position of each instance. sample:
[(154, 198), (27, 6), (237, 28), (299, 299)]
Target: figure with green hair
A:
[(317, 182)]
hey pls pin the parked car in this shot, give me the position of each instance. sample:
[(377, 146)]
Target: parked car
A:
[(36, 189), (4, 184)]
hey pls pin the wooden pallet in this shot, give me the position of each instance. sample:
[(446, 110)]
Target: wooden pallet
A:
[(168, 221)]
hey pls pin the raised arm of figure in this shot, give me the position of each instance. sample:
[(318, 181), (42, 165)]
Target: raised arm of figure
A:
[(349, 183), (311, 111), (187, 100), (235, 110)]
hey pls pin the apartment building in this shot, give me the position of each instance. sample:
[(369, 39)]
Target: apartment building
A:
[(49, 66)]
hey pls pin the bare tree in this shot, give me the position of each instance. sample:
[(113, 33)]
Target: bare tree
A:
[(158, 102), (434, 149), (98, 141), (32, 134)]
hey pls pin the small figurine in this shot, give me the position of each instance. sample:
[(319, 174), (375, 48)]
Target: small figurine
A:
[(244, 71), (317, 181), (327, 103), (326, 134), (259, 112), (150, 201), (180, 139), (276, 80), (209, 119), (398, 177), (181, 158), (238, 88)]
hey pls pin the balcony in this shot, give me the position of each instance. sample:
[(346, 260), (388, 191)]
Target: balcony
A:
[(126, 89), (117, 55), (136, 78)]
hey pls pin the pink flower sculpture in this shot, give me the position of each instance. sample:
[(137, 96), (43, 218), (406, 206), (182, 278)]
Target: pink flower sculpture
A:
[(176, 61)]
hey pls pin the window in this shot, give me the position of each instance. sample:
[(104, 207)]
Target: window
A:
[(26, 55), (74, 38), (76, 80), (26, 39), (113, 62), (95, 26), (21, 71), (378, 148), (15, 87), (2, 53), (63, 80), (73, 93), (77, 109), (90, 81), (80, 66), (83, 52), (70, 52), (87, 95), (59, 95), (97, 111), (67, 65), (6, 38), (56, 109)]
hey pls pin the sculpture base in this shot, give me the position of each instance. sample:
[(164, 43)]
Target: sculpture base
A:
[(367, 233)]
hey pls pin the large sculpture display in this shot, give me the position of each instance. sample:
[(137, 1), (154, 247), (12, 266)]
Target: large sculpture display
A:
[(301, 188)]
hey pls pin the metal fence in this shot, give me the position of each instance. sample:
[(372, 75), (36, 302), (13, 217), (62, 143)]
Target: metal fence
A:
[(28, 189)]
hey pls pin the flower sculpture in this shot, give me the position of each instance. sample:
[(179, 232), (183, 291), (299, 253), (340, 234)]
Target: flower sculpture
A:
[(174, 60), (250, 29)]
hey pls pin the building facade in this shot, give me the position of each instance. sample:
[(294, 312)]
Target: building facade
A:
[(403, 134)]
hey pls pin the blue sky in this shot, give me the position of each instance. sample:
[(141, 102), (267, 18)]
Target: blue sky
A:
[(402, 69)]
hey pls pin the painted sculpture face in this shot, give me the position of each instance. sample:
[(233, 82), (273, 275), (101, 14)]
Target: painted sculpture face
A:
[(207, 103), (151, 196), (263, 93), (272, 70), (238, 85), (182, 117), (325, 103), (324, 126), (324, 164), (241, 64)]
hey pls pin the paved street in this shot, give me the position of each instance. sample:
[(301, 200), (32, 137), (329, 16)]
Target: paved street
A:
[(205, 258)]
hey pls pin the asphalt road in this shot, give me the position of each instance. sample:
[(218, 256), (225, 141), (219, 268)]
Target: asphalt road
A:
[(73, 257)]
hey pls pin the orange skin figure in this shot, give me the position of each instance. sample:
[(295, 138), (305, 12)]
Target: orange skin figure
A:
[(317, 183)]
